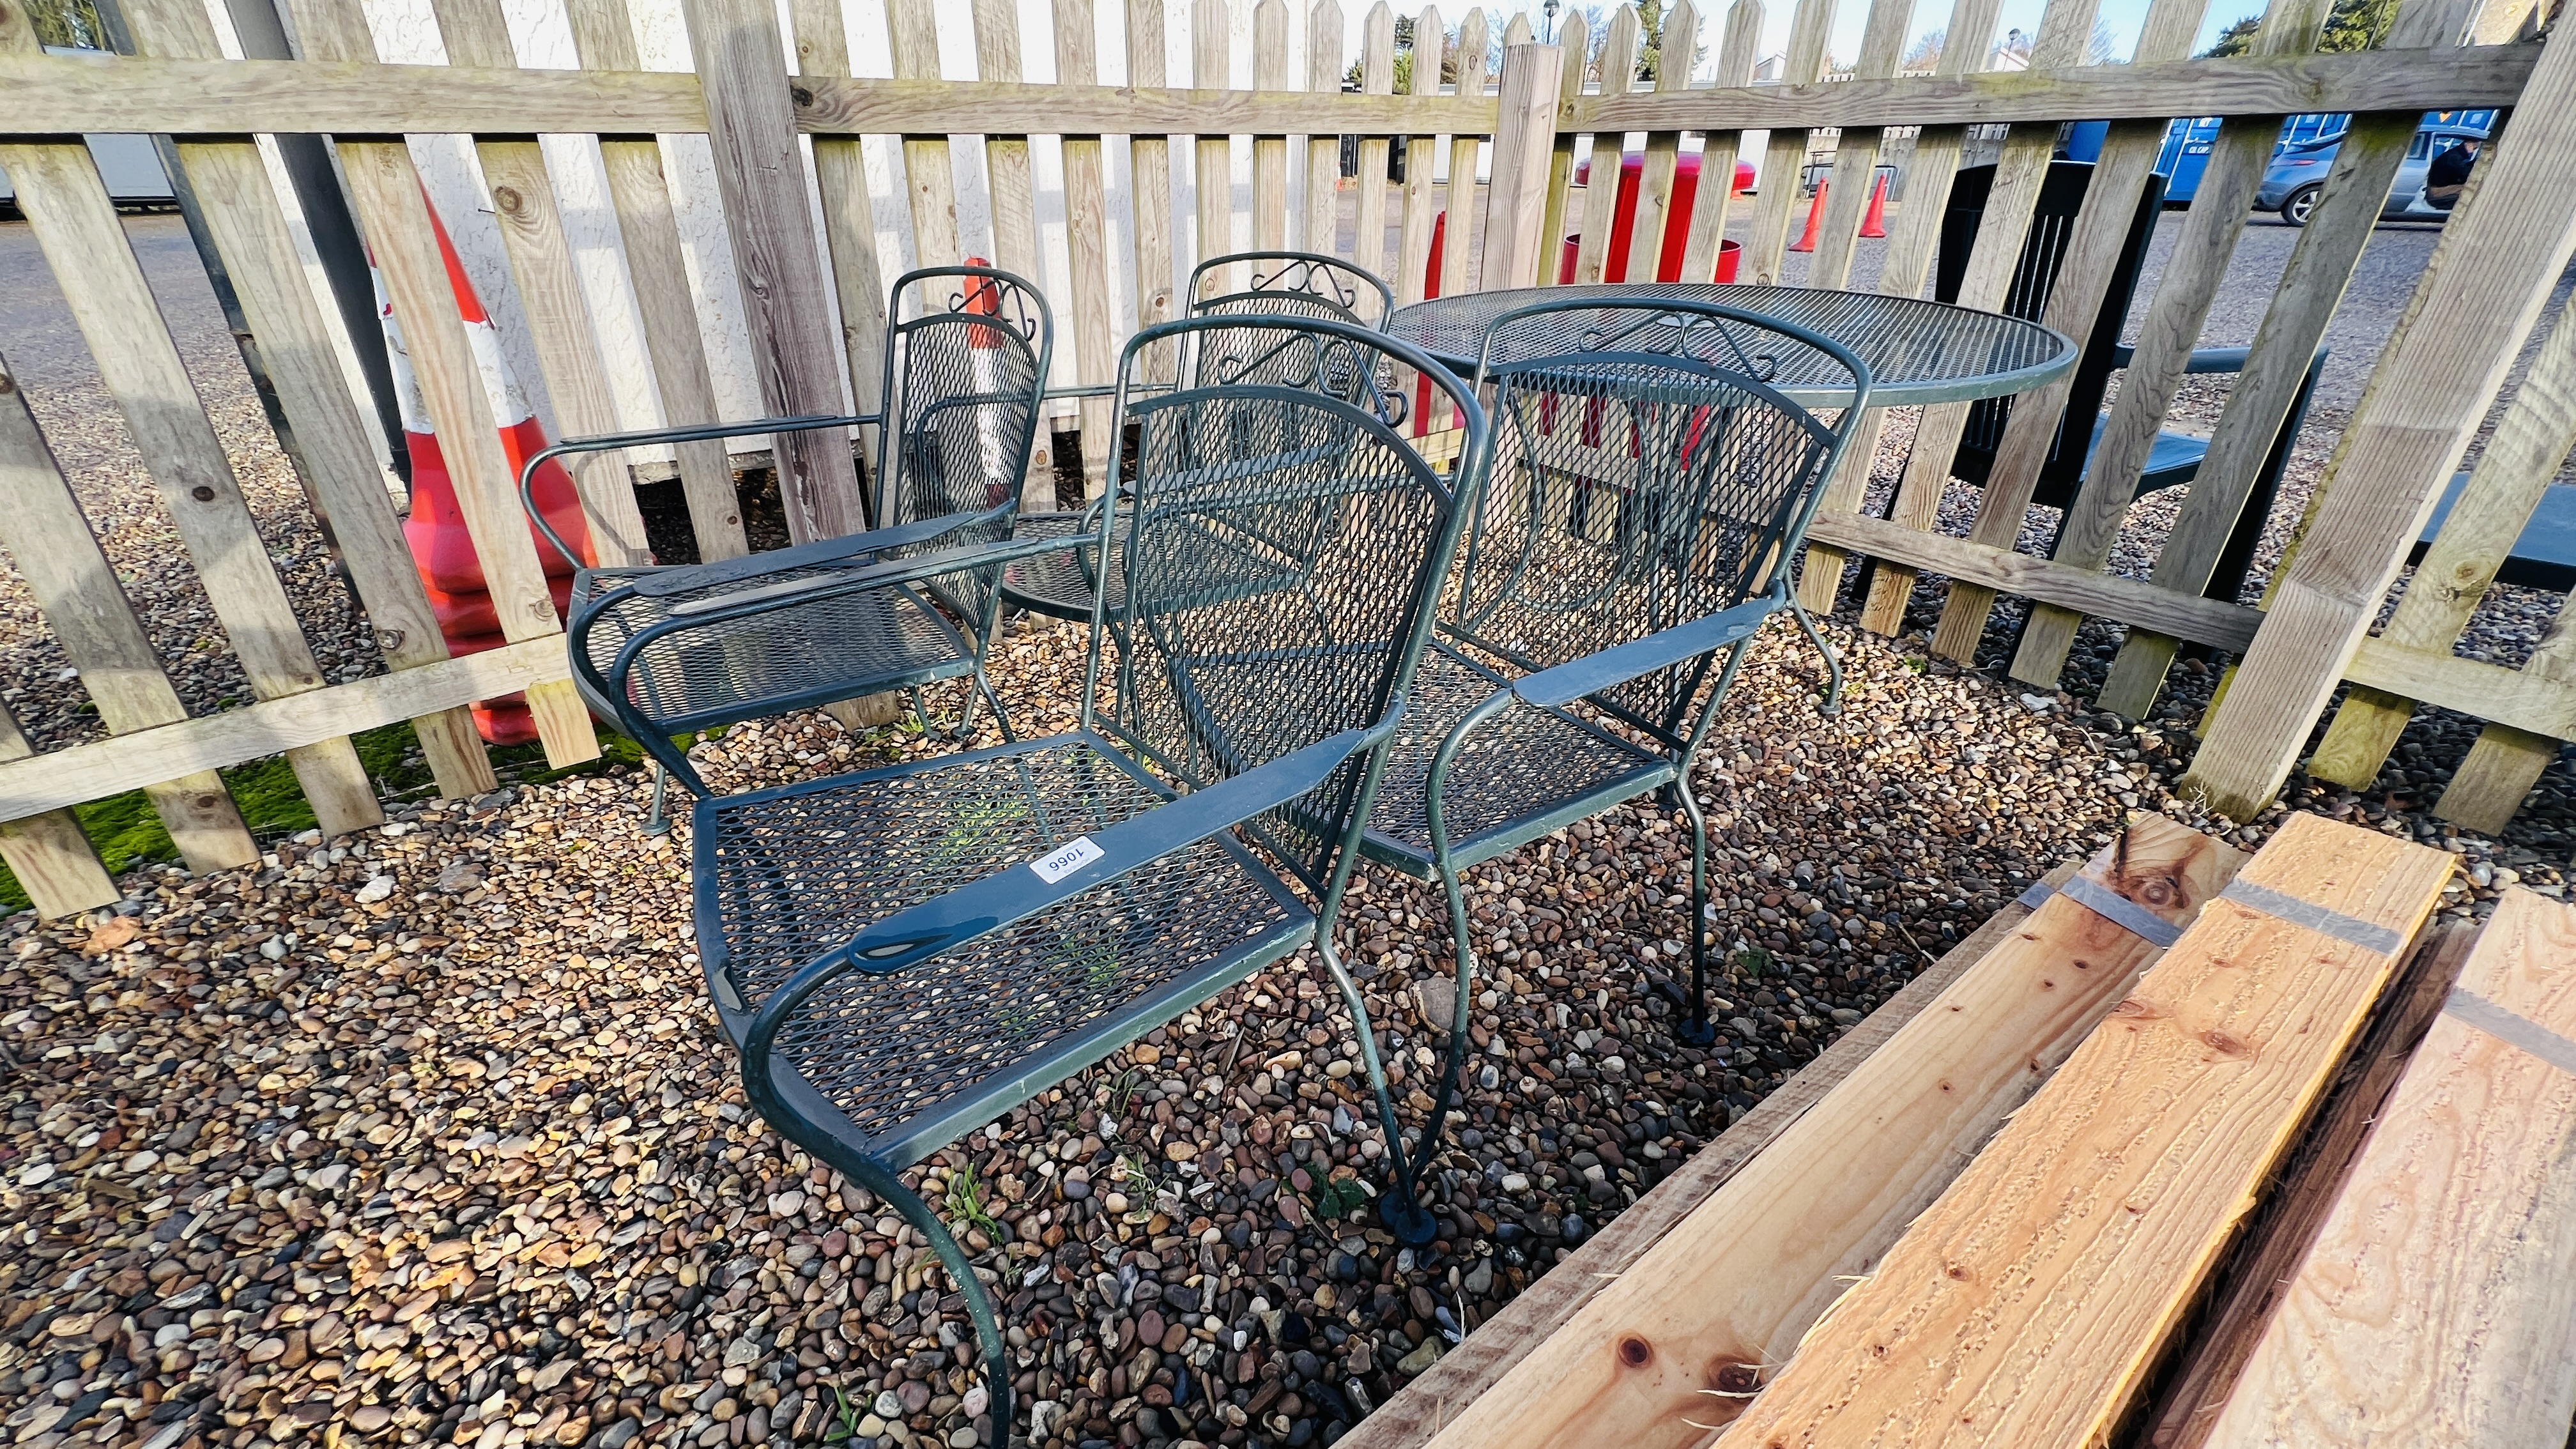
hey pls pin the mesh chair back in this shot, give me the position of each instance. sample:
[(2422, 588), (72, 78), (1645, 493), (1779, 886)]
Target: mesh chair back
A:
[(1289, 284), (1645, 480), (966, 364), (1282, 548)]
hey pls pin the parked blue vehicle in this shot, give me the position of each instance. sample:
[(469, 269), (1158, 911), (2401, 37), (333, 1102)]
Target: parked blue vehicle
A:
[(2298, 174), (2187, 143)]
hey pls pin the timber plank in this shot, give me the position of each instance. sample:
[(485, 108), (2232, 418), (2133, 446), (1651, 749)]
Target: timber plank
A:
[(1672, 1347), (2498, 259), (1377, 78), (1803, 65), (1882, 45), (1413, 234), (52, 859), (2436, 1306), (1735, 59), (1618, 64), (849, 216), (1427, 1404), (1662, 160), (1271, 71), (1212, 66), (1086, 238), (1518, 197), (1573, 39), (1149, 158), (1322, 234), (1474, 50), (2027, 1304), (2260, 1272)]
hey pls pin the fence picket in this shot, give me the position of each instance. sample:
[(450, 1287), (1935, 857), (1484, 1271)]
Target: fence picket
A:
[(1786, 152), (1718, 149), (1524, 147), (1413, 235), (76, 587), (2486, 282), (1663, 149), (1086, 235), (2237, 161), (1574, 41), (1324, 152), (1272, 70), (1601, 192), (1212, 69), (1377, 78), (1149, 162), (74, 221), (1011, 184), (912, 34), (849, 216), (1856, 153), (1474, 65)]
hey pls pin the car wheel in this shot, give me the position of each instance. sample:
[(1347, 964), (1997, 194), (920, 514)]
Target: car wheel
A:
[(2296, 206)]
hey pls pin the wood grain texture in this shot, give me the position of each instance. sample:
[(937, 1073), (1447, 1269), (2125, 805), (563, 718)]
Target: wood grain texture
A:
[(751, 132), (1427, 1404), (1783, 156), (2436, 1307), (2258, 1273), (193, 749), (1323, 221), (76, 588), (849, 214), (2294, 321), (1008, 179), (1377, 78), (1618, 64), (1273, 69), (1574, 43), (1211, 67), (1666, 1352), (1516, 199), (912, 35), (1086, 237), (1150, 163), (1709, 206), (1413, 229), (2026, 1305), (1662, 158), (2504, 763), (2498, 258), (53, 861), (74, 222), (1474, 71), (2238, 159)]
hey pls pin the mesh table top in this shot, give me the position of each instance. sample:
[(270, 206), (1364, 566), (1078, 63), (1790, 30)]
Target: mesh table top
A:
[(1917, 351)]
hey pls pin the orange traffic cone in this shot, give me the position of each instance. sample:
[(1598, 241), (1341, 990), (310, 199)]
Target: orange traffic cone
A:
[(1806, 241), (1874, 221)]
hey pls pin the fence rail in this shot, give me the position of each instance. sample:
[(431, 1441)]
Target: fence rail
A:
[(805, 271)]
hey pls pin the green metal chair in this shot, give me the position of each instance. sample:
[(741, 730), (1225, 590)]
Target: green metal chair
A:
[(903, 954)]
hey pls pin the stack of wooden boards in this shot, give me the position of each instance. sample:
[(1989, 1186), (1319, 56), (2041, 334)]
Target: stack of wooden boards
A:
[(2182, 1150)]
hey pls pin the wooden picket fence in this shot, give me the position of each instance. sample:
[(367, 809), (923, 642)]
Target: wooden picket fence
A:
[(2504, 248)]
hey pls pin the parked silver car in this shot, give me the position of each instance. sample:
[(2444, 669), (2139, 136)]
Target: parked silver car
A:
[(2298, 174)]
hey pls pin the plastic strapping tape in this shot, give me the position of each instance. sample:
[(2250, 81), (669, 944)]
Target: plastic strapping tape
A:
[(2324, 920), (2515, 1031), (2111, 906)]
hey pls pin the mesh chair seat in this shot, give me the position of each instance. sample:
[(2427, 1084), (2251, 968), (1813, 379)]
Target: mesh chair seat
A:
[(812, 653), (1524, 774), (912, 1059)]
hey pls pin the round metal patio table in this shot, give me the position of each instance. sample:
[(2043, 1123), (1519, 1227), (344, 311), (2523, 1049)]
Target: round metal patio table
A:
[(1917, 352)]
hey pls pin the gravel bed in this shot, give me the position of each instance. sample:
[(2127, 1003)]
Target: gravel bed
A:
[(428, 1133)]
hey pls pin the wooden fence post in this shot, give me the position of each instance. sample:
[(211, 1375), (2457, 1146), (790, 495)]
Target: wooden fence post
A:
[(2488, 278), (1663, 148), (1574, 40), (912, 34), (849, 217), (1323, 231), (1413, 233), (1271, 71), (1882, 48), (54, 862), (1377, 78), (1474, 50), (1776, 202), (1601, 186), (1524, 140), (1212, 69), (1718, 148), (751, 127), (1150, 164)]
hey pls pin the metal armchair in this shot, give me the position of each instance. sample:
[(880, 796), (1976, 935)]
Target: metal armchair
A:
[(662, 650), (1645, 494), (904, 953)]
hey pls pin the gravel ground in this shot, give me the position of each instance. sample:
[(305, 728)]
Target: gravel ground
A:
[(428, 1134)]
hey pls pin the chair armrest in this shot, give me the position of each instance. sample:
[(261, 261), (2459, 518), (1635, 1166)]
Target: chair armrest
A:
[(862, 576), (608, 442), (981, 907), (855, 547), (1594, 673)]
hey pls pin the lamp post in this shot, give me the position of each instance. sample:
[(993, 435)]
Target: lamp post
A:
[(1550, 9)]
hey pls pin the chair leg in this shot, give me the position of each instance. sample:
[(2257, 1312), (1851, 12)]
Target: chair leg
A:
[(1399, 1207), (920, 711), (1833, 659), (1001, 719), (659, 823), (979, 1303), (1696, 1029)]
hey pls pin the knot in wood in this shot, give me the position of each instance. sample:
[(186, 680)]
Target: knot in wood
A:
[(2156, 892), (2224, 1044), (508, 199), (1735, 1376), (1635, 1352), (803, 96)]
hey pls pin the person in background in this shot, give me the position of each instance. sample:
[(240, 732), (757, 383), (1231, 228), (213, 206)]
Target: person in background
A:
[(2448, 174)]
